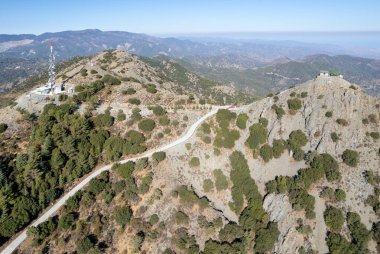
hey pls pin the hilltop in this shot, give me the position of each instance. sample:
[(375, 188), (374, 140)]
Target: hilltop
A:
[(293, 172)]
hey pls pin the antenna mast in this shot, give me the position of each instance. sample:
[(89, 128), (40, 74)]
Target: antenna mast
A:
[(51, 83)]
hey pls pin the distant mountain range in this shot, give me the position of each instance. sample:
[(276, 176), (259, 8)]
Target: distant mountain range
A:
[(283, 73), (259, 64)]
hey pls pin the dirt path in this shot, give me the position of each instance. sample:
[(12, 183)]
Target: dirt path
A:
[(320, 230)]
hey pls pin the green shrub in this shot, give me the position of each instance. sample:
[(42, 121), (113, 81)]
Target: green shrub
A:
[(181, 218), (278, 147), (123, 215), (266, 152), (194, 162), (373, 118), (221, 181), (359, 232), (303, 94), (329, 114), (154, 219), (147, 125), (159, 156), (208, 185), (121, 116), (96, 186), (263, 121), (103, 120), (294, 104), (84, 245), (334, 219), (111, 80), (258, 135), (297, 139), (129, 91), (298, 154), (292, 94), (151, 88), (340, 195), (158, 110), (280, 112), (374, 135), (342, 122), (266, 238), (350, 157), (66, 221), (328, 164), (3, 127), (334, 137), (164, 120), (241, 121), (125, 170), (224, 117), (134, 101)]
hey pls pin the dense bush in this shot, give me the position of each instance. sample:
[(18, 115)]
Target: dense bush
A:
[(221, 181), (328, 164), (194, 162), (134, 101), (159, 156), (164, 120), (111, 80), (280, 112), (125, 170), (158, 110), (374, 135), (3, 127), (224, 117), (147, 125), (226, 138), (42, 231), (294, 104), (129, 91), (297, 139), (123, 215), (339, 244), (359, 232), (342, 122), (334, 137), (334, 219), (266, 238), (84, 245), (278, 147), (66, 221), (181, 218), (103, 120), (300, 199), (266, 152), (258, 135), (121, 116), (241, 121), (151, 88), (208, 185), (350, 157), (206, 128)]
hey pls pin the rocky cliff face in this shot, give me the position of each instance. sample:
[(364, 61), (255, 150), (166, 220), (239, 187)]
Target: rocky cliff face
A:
[(335, 116)]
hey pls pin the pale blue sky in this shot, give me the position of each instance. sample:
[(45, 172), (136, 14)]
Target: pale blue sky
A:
[(195, 16)]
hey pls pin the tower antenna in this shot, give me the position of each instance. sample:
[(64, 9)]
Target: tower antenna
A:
[(51, 83)]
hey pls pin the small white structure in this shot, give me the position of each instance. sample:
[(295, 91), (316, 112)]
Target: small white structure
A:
[(324, 73)]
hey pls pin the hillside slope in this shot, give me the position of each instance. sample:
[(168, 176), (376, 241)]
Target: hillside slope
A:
[(296, 172)]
